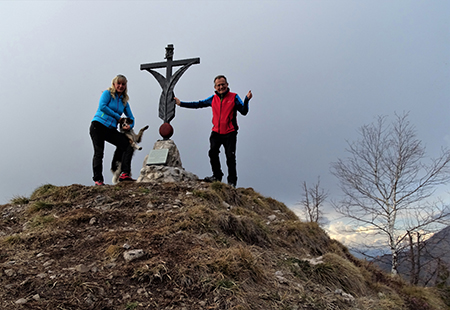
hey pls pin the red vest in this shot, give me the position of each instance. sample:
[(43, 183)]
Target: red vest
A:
[(224, 114)]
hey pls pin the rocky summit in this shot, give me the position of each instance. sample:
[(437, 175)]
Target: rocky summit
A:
[(181, 245)]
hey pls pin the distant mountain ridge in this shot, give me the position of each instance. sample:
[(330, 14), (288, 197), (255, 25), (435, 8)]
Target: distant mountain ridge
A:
[(433, 260)]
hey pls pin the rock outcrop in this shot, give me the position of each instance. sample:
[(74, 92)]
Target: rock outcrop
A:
[(171, 171)]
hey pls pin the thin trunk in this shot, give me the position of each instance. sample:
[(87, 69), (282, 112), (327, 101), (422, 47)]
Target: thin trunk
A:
[(392, 241), (394, 255), (419, 265), (413, 271)]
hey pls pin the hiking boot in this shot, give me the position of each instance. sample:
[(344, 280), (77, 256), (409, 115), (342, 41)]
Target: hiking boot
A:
[(211, 179), (125, 177), (99, 183)]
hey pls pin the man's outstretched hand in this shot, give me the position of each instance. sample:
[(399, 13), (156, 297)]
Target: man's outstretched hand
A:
[(249, 95)]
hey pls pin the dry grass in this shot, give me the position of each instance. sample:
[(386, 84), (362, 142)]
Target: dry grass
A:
[(307, 238), (236, 264), (244, 228), (334, 272), (19, 200), (77, 217), (208, 246), (39, 206), (114, 251), (11, 240), (153, 270), (383, 302), (44, 191), (423, 298), (42, 222)]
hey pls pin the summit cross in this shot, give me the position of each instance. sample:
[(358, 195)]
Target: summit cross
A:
[(167, 101)]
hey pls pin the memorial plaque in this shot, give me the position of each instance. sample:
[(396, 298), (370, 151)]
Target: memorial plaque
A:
[(157, 157)]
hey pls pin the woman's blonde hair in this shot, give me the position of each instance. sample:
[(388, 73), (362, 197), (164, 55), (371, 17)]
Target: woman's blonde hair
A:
[(112, 89)]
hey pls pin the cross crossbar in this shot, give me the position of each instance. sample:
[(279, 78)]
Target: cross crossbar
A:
[(175, 63)]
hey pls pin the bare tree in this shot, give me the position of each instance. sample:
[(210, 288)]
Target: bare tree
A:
[(415, 254), (385, 183), (312, 201)]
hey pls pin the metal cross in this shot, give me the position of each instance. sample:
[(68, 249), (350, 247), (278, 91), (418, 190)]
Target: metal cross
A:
[(166, 101)]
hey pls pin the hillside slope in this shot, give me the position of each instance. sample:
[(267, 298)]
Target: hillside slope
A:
[(180, 246)]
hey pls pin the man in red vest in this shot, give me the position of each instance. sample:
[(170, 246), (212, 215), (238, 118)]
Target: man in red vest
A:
[(225, 105)]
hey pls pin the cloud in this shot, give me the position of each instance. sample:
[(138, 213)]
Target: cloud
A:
[(359, 236)]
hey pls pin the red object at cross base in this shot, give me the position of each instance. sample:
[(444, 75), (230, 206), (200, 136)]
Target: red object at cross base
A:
[(166, 131)]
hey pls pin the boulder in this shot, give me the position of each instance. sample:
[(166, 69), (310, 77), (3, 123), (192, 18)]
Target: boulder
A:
[(171, 171)]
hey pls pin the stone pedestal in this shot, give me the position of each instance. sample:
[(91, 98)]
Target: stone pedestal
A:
[(171, 171)]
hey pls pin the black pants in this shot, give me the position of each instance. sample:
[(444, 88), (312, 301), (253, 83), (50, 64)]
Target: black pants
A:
[(124, 152), (229, 143)]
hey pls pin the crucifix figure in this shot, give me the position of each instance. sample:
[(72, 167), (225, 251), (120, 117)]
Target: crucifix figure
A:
[(166, 101)]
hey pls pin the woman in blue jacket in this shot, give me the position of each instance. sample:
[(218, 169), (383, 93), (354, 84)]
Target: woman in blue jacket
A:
[(113, 103)]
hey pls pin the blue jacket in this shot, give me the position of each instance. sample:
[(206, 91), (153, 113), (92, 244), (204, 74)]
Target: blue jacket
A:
[(110, 110)]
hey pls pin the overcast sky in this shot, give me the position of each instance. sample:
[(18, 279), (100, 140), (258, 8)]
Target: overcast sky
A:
[(318, 71)]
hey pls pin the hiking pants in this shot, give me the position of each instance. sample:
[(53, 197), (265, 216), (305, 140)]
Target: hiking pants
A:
[(123, 153), (228, 141)]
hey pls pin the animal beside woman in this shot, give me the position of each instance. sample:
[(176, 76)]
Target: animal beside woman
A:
[(133, 138), (125, 128)]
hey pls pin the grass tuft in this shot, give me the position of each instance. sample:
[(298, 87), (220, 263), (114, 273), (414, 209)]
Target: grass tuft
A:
[(41, 221), (308, 237), (237, 264), (243, 228), (43, 191), (113, 251), (335, 272), (19, 200), (152, 271), (423, 298), (13, 239), (217, 186), (131, 305), (40, 205)]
